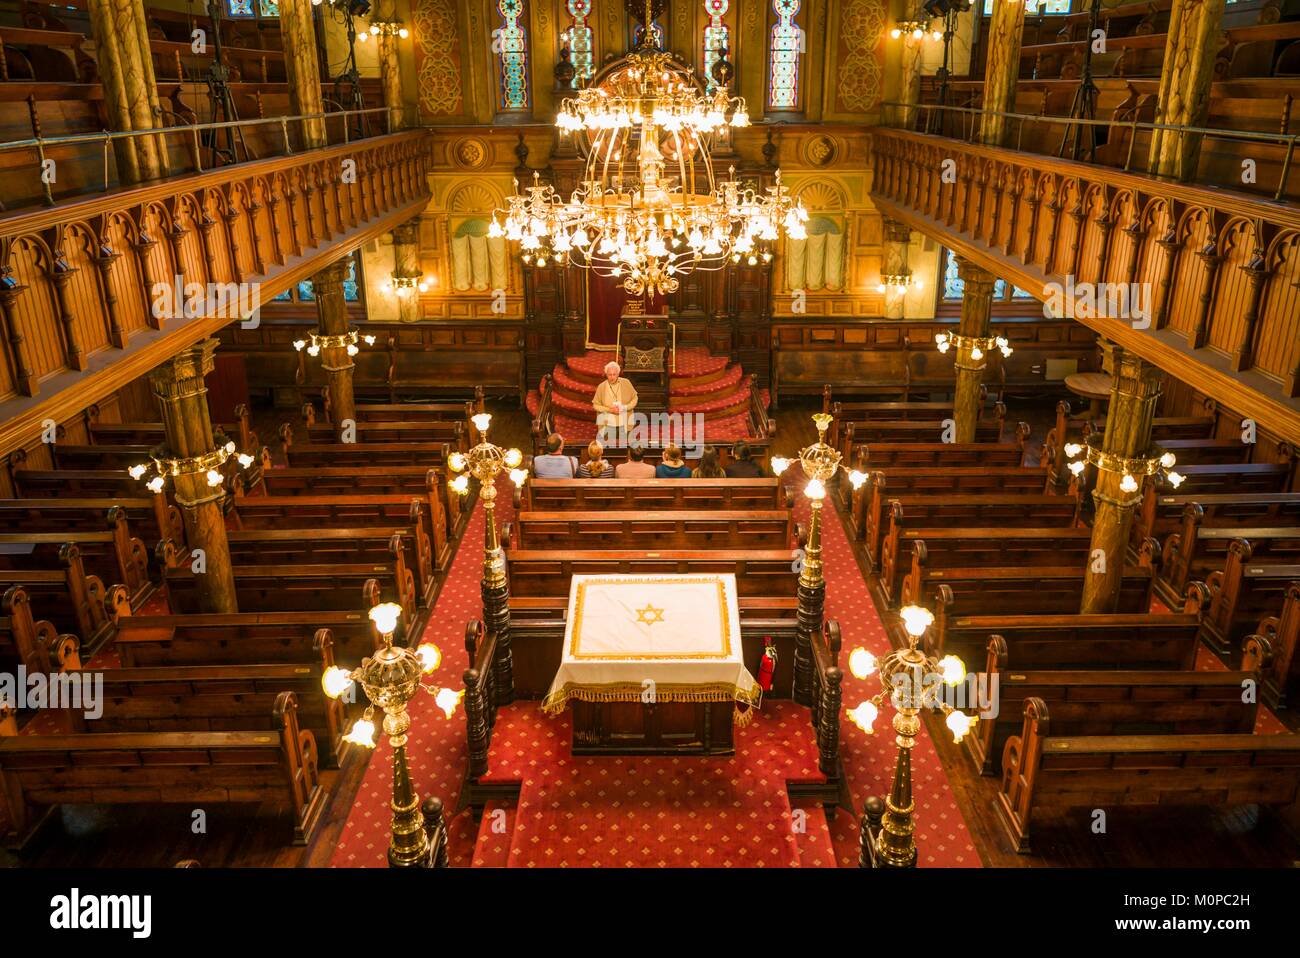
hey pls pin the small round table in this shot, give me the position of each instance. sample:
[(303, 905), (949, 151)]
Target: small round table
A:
[(1095, 387)]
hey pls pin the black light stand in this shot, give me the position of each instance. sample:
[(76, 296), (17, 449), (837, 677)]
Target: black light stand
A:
[(225, 143), (350, 77), (1084, 104)]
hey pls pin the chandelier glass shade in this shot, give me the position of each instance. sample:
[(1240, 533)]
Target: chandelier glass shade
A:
[(648, 208)]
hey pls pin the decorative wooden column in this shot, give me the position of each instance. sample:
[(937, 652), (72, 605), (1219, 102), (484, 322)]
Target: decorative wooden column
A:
[(1191, 43), (1005, 29), (897, 237), (976, 307), (1128, 435), (302, 69), (121, 38), (183, 399), (332, 314), (406, 266)]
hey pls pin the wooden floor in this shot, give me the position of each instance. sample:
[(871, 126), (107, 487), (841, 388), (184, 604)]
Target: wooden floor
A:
[(159, 836)]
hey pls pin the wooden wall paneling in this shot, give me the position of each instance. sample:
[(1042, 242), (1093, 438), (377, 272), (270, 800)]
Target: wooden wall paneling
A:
[(1278, 343), (1228, 325)]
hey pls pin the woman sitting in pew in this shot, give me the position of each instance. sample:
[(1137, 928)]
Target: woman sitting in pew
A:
[(672, 466), (596, 466), (744, 466), (709, 467)]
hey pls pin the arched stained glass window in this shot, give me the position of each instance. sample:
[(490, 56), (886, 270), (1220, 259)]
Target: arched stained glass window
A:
[(269, 8), (240, 8), (510, 42), (658, 34), (784, 56), (305, 292), (578, 38), (715, 36), (1042, 6)]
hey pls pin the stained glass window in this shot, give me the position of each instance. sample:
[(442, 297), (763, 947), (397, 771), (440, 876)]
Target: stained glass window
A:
[(715, 37), (1033, 7), (240, 8), (953, 287), (305, 292), (657, 34), (510, 40), (578, 38), (269, 8), (786, 53)]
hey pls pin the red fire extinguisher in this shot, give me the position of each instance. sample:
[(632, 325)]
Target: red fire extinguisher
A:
[(767, 664)]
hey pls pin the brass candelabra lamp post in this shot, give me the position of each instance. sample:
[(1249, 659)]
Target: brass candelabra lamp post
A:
[(391, 678), (913, 681), (485, 462), (820, 462)]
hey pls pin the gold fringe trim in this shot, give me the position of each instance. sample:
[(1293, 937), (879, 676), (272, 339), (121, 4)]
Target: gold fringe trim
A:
[(555, 702)]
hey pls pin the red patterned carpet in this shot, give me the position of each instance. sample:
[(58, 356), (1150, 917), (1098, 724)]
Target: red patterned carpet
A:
[(648, 812)]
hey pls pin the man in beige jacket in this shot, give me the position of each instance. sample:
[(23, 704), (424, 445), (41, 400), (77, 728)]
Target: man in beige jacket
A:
[(614, 401)]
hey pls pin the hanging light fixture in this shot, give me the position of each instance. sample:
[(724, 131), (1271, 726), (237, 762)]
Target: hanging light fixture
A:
[(649, 209)]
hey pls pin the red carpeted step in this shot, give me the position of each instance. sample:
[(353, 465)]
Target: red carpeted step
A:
[(691, 362), (492, 849), (732, 403), (813, 836), (695, 386)]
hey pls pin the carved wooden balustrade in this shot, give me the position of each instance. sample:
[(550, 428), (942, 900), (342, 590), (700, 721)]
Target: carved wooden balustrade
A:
[(1221, 268), (79, 283)]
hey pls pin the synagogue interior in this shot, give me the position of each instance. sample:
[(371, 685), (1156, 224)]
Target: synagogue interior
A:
[(509, 434)]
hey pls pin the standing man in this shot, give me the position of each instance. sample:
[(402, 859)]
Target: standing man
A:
[(615, 399)]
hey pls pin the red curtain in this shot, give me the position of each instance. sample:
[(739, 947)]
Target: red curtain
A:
[(605, 300)]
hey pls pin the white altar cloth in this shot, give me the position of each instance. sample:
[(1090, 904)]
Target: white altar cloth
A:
[(660, 638)]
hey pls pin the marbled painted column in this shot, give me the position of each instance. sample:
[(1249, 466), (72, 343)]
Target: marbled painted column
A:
[(302, 69), (332, 313), (130, 91), (1128, 433), (1191, 43), (390, 74), (909, 92), (896, 238), (183, 399), (1005, 29), (406, 265), (976, 307)]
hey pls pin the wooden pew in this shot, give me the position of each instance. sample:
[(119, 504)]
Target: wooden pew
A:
[(217, 698), (244, 638), (1241, 594), (948, 455), (919, 513), (151, 515), (452, 434), (957, 549), (350, 455), (319, 512), (1040, 769), (35, 644), (1079, 429), (1273, 651), (83, 457), (75, 601), (651, 495), (163, 767), (1118, 700), (1042, 591), (114, 555), (766, 572), (406, 547), (430, 484), (1220, 510), (862, 412), (770, 529), (1198, 551), (1236, 481), (153, 433), (867, 510), (399, 411), (296, 588)]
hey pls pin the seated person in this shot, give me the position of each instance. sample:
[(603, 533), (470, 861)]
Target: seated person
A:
[(634, 468), (596, 466), (615, 398), (744, 466), (673, 466), (709, 467), (554, 464)]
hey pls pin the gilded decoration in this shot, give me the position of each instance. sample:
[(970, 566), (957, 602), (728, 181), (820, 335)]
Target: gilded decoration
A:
[(860, 74), (438, 57)]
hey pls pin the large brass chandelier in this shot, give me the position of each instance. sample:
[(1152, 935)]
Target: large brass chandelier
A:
[(648, 208)]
